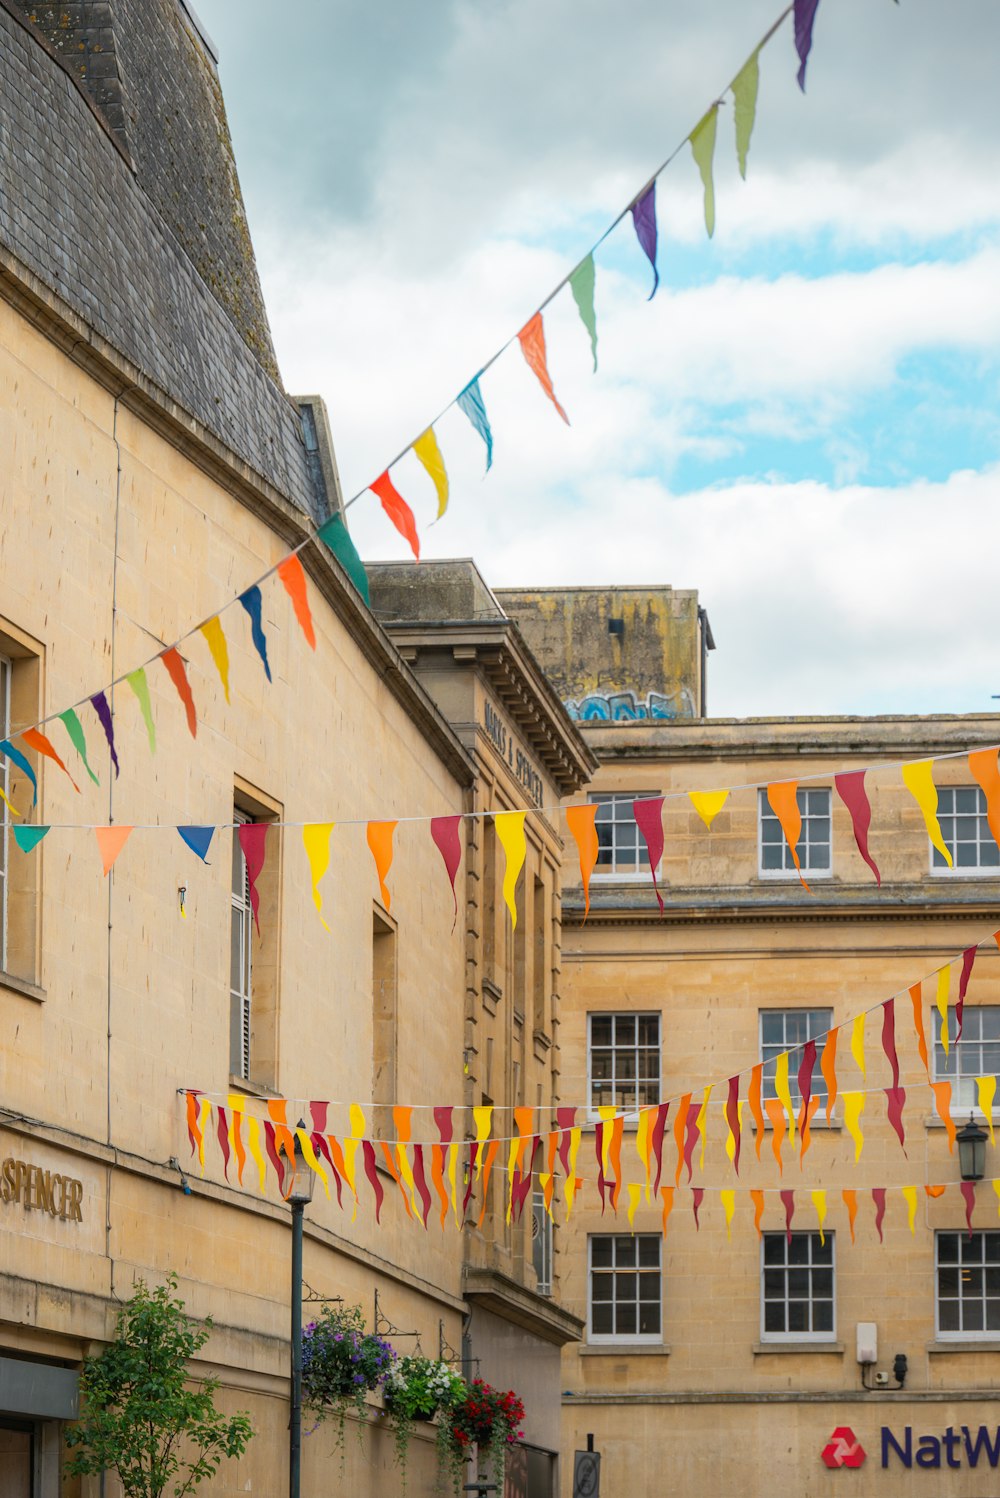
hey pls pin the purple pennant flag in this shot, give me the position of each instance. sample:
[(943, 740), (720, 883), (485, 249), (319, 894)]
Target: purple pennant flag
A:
[(100, 705), (805, 15), (644, 219)]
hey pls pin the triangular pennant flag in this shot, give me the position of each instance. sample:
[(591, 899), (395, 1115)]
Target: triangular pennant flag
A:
[(943, 985), (733, 1119), (708, 804), (858, 1042), (986, 1088), (702, 139), (942, 1102), (896, 1100), (851, 1203), (472, 405), (819, 1202), (878, 1197), (828, 1066), (889, 1038), (293, 580), (510, 830), (648, 816), (446, 834), (110, 842), (581, 284), (667, 1193), (17, 758), (253, 603), (851, 790), (968, 1190), (854, 1106), (745, 86), (788, 1201), (644, 221), (783, 799), (380, 842), (253, 840), (697, 1196), (757, 1197), (42, 744), (28, 838), (335, 535), (581, 821), (753, 1098), (74, 728), (918, 1025), (198, 839), (728, 1200), (397, 509), (968, 958), (429, 454), (805, 15), (910, 1198), (986, 773), (532, 341), (178, 675), (216, 641), (918, 777), (140, 686), (316, 841)]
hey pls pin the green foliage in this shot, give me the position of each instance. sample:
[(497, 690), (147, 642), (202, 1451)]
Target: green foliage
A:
[(341, 1365), (140, 1418), (416, 1388)]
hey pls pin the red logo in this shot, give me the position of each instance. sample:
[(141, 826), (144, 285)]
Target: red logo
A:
[(843, 1449)]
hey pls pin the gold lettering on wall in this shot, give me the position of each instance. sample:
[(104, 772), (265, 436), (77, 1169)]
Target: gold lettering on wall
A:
[(39, 1190)]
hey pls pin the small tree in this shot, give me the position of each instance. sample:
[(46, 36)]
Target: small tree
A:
[(140, 1419)]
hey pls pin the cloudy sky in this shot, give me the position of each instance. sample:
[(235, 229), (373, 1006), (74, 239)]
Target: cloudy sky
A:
[(803, 424)]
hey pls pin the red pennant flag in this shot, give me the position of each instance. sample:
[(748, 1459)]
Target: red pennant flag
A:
[(851, 790), (896, 1098), (889, 1038), (329, 1147), (293, 579), (968, 1189), (565, 1120), (697, 1193), (878, 1197), (648, 816), (968, 958), (659, 1128), (488, 1158), (444, 831), (788, 1199), (470, 1179), (532, 341), (222, 1130), (253, 841), (178, 675), (805, 1079), (271, 1148), (692, 1138), (733, 1118), (371, 1171), (397, 509), (420, 1181)]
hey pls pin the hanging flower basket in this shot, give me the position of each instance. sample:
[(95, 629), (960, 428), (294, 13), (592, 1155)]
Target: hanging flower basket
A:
[(488, 1419), (341, 1365), (416, 1389)]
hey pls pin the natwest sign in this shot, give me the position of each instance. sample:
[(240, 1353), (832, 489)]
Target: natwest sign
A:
[(843, 1449), (953, 1448)]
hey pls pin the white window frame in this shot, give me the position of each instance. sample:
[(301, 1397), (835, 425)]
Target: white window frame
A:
[(5, 675), (963, 1236), (541, 1239), (241, 909), (788, 869), (614, 1015), (638, 872), (626, 1339), (967, 1099), (971, 871), (808, 1336), (819, 1088)]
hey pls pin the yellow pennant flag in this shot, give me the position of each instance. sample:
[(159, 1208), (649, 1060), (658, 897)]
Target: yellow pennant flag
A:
[(986, 1087), (783, 1093), (858, 1043), (708, 804), (703, 1125), (943, 982), (357, 1133), (702, 139), (316, 841), (427, 450), (216, 640), (510, 830), (730, 1136), (483, 1119), (634, 1195), (996, 1188), (819, 1202), (643, 1143), (728, 1200), (745, 86), (253, 1144), (453, 1181), (918, 777), (204, 1114), (607, 1114), (910, 1197), (854, 1106), (311, 1158)]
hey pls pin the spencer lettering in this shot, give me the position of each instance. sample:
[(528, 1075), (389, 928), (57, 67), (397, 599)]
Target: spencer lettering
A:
[(39, 1190)]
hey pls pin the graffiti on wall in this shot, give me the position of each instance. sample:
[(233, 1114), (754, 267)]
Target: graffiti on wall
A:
[(626, 707)]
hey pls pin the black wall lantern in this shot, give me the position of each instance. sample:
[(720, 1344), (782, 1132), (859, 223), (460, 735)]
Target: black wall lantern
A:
[(972, 1151)]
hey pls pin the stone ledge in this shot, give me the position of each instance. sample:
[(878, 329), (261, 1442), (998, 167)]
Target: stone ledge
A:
[(764, 1349), (626, 1350), (523, 1307), (988, 1344), (22, 986)]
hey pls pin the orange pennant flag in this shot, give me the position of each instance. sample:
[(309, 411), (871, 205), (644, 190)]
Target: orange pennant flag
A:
[(111, 841), (918, 1024), (757, 1197), (828, 1066), (783, 799), (667, 1193), (986, 773), (293, 579), (178, 675), (397, 509), (776, 1113), (851, 1203), (581, 822), (532, 341), (753, 1098), (942, 1102), (43, 745), (380, 843)]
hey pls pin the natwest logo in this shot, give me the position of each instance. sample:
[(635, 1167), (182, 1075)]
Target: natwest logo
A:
[(843, 1449)]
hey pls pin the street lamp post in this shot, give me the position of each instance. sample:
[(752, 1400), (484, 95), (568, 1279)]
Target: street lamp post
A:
[(299, 1196)]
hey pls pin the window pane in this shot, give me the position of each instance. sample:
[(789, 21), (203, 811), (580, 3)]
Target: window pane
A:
[(600, 1029), (626, 1319), (624, 1251), (823, 1316), (774, 1248), (649, 1252), (948, 1316), (600, 1251), (798, 1316), (774, 1316), (649, 1319), (625, 1029), (601, 1319)]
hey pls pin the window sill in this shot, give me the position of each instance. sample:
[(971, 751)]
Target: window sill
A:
[(22, 986), (624, 1350), (764, 1349), (965, 1344), (249, 1088)]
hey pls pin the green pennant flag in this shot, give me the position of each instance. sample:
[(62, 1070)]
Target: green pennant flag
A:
[(745, 100), (140, 686), (581, 284), (703, 150), (28, 838), (334, 534), (74, 728)]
